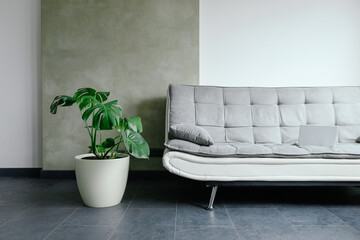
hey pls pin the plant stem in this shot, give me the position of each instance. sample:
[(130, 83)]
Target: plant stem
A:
[(108, 152), (112, 148), (94, 141), (91, 134), (118, 144)]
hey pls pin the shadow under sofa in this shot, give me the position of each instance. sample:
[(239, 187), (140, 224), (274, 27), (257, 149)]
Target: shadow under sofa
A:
[(248, 135)]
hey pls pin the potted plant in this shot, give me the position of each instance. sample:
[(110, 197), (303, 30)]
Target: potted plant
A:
[(101, 175)]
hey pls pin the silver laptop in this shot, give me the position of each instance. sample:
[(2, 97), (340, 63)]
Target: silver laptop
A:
[(318, 135)]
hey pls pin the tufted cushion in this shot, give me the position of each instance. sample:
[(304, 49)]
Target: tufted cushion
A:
[(265, 115)]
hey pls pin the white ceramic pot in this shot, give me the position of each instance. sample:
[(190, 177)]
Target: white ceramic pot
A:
[(101, 182)]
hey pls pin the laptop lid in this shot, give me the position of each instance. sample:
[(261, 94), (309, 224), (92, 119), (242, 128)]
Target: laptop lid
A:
[(318, 135)]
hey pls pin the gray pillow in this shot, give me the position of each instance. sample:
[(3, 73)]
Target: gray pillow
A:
[(191, 133)]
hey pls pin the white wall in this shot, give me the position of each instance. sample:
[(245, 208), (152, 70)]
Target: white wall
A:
[(20, 78), (280, 42)]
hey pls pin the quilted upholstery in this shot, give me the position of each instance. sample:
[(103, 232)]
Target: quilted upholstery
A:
[(265, 115)]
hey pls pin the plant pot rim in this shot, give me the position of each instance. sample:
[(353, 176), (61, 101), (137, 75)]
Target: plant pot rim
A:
[(81, 156)]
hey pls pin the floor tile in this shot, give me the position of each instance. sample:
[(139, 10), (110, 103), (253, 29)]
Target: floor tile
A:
[(244, 216), (156, 224), (34, 224), (66, 196), (206, 232), (27, 191), (81, 233), (196, 215), (150, 196), (268, 231), (255, 231), (96, 216), (349, 215), (144, 231), (147, 216), (309, 215), (328, 233), (8, 212), (262, 223)]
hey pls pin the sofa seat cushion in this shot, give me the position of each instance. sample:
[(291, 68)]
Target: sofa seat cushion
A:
[(248, 150)]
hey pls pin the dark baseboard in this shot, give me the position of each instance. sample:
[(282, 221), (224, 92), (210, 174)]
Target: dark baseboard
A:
[(133, 175), (57, 174), (20, 172), (147, 175)]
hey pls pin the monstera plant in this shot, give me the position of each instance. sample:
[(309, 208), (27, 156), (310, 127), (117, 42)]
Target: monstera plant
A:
[(102, 174), (99, 115)]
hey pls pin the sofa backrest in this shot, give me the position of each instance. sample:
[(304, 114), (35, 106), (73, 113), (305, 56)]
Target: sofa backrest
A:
[(265, 115)]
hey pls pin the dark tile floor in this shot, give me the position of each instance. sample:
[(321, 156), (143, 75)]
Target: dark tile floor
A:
[(173, 209)]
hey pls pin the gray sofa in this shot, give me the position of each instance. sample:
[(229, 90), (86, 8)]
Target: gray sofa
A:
[(254, 133)]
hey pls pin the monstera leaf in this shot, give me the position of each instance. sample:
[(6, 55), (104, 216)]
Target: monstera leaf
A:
[(108, 143), (122, 126), (135, 144), (105, 115), (134, 124), (89, 92), (61, 101)]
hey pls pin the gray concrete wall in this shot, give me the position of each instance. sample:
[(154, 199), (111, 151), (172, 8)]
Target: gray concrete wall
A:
[(134, 48)]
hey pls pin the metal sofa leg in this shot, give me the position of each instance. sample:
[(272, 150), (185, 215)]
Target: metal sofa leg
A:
[(212, 198)]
